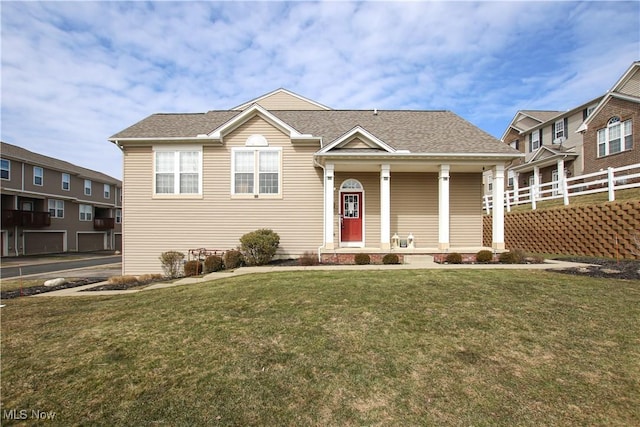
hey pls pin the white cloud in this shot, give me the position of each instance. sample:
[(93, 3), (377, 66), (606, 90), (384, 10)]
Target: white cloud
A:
[(74, 73)]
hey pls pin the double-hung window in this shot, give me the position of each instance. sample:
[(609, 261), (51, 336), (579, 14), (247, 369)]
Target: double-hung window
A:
[(118, 216), (86, 213), (87, 187), (56, 208), (559, 130), (107, 191), (38, 175), (178, 171), (256, 171), (534, 140), (66, 181), (616, 137), (5, 168)]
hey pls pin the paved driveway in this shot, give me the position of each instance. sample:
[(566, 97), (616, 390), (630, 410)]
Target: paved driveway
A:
[(76, 265)]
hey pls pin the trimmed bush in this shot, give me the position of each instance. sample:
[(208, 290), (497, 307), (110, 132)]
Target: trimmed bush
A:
[(308, 258), (391, 259), (259, 247), (213, 263), (232, 259), (192, 268), (484, 256), (508, 258), (122, 280), (362, 259), (172, 263), (453, 258), (146, 278)]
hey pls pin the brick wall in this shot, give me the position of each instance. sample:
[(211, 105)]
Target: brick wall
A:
[(344, 258), (605, 230)]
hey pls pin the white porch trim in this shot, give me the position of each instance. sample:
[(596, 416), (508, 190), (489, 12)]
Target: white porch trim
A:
[(498, 207), (443, 207), (328, 205), (385, 206)]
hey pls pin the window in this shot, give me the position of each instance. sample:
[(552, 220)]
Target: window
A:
[(535, 140), (38, 175), (87, 187), (86, 213), (515, 144), (66, 181), (5, 169), (118, 216), (107, 191), (178, 171), (559, 131), (56, 208), (616, 137), (256, 171), (510, 177)]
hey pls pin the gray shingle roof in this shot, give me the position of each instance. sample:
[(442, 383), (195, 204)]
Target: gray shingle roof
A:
[(13, 152), (416, 131)]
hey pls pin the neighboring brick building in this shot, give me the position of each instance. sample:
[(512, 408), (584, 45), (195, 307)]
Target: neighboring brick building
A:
[(52, 206)]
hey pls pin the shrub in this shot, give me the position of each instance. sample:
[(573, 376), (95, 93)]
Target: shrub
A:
[(484, 256), (213, 263), (232, 259), (534, 259), (508, 258), (192, 268), (453, 258), (362, 259), (172, 263), (308, 258), (122, 280), (519, 255), (146, 278), (258, 247), (391, 259)]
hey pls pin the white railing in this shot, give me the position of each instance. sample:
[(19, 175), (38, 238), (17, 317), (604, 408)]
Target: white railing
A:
[(608, 180)]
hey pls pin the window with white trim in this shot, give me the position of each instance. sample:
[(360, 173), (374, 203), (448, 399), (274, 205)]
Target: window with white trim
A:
[(107, 191), (5, 168), (559, 131), (38, 175), (534, 140), (178, 171), (87, 187), (256, 171), (118, 216), (616, 137), (86, 213), (66, 181), (510, 177), (56, 208)]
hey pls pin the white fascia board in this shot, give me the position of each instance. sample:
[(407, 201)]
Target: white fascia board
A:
[(585, 125), (358, 130), (250, 112), (626, 76), (190, 139), (542, 162), (438, 156), (281, 90)]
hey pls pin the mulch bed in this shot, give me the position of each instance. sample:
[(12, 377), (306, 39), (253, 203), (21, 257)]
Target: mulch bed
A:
[(34, 290), (605, 268)]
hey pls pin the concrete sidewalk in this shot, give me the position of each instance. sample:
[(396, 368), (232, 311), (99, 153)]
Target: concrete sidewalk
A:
[(78, 291)]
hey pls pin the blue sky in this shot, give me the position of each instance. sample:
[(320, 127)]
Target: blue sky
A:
[(75, 73)]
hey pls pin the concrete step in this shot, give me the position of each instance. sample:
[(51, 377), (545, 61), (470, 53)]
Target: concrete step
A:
[(418, 259)]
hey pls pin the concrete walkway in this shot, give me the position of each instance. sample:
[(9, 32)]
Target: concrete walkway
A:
[(417, 265)]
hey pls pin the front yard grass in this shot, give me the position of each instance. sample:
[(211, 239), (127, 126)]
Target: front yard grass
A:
[(416, 347)]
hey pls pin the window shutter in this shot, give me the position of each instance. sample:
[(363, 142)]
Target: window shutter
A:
[(530, 142), (540, 137), (566, 128), (584, 114), (553, 131)]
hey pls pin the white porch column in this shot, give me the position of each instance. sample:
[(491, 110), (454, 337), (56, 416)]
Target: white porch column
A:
[(443, 207), (385, 207), (498, 207), (328, 205)]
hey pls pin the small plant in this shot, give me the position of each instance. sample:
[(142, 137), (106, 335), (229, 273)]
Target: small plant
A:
[(192, 268), (520, 255), (172, 263), (484, 256), (122, 280), (534, 259), (147, 278), (391, 259), (508, 258), (308, 258), (362, 259), (232, 259), (213, 263), (453, 258), (259, 247)]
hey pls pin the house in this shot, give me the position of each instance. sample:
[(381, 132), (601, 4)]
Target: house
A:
[(53, 206), (330, 182), (590, 137)]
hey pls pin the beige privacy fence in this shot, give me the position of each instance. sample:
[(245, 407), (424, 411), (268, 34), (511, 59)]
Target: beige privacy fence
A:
[(609, 229)]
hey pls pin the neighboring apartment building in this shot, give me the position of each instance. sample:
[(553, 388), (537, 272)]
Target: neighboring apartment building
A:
[(588, 138), (52, 206), (333, 182)]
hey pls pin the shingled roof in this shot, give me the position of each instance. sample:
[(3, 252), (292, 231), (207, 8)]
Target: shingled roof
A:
[(416, 131), (13, 152)]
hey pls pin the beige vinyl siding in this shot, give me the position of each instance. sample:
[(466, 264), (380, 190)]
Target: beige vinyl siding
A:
[(356, 143), (217, 220), (285, 101), (575, 140), (414, 207), (632, 87), (465, 210)]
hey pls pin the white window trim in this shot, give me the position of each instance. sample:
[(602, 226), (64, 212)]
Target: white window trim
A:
[(560, 134), (8, 169), (536, 141), (107, 191), (87, 187), (67, 181), (607, 140), (41, 176), (88, 216), (256, 173), (55, 208), (174, 149), (118, 216)]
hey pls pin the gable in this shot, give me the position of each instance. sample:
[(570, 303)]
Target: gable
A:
[(282, 99), (632, 86)]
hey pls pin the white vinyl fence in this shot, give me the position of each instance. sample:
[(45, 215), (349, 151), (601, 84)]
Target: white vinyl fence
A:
[(609, 180)]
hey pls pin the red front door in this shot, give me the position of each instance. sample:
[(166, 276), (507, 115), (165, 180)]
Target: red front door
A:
[(351, 217)]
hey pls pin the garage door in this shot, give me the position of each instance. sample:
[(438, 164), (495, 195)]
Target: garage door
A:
[(89, 242), (43, 243)]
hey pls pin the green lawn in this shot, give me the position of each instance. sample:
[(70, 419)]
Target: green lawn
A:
[(421, 347)]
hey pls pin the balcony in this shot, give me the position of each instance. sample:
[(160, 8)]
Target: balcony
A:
[(15, 218), (104, 223)]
